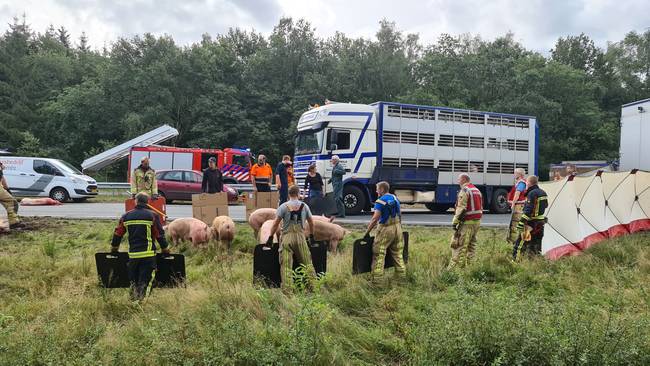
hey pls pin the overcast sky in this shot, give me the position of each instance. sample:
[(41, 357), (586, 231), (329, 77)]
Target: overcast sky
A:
[(535, 23)]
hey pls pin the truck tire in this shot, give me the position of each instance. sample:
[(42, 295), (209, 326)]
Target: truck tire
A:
[(354, 200), (438, 207), (499, 203), (59, 194)]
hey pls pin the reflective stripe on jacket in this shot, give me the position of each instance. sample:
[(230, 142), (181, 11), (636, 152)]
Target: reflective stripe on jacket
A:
[(536, 204), (143, 227)]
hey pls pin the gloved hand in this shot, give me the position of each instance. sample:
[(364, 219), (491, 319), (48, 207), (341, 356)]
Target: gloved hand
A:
[(312, 240), (115, 249), (166, 250), (269, 241), (155, 196)]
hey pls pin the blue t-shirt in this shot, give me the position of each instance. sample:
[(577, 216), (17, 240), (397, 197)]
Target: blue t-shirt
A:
[(389, 207), (521, 186)]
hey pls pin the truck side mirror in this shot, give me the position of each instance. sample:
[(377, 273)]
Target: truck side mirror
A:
[(334, 147)]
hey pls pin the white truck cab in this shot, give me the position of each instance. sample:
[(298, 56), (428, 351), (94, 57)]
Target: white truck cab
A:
[(44, 177)]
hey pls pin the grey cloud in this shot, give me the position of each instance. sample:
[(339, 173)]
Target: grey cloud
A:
[(536, 23), (185, 20)]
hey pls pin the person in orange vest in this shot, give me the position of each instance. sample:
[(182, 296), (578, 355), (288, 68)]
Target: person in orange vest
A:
[(466, 222), (261, 175), (516, 200)]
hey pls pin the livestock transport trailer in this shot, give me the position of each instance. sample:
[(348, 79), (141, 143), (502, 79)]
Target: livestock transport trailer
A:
[(419, 150)]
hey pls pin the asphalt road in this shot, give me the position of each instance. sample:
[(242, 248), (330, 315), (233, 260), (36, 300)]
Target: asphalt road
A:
[(89, 210)]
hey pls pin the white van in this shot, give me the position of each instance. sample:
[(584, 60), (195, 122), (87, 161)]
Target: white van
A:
[(43, 177)]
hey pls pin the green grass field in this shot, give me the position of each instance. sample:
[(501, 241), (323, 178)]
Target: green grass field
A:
[(587, 310)]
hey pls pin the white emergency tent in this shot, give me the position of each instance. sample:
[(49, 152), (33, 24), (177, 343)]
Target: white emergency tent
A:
[(584, 210)]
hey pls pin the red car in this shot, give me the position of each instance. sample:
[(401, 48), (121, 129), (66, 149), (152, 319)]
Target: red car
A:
[(180, 184)]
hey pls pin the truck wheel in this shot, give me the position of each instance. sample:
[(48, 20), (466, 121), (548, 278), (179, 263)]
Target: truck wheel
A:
[(354, 200), (499, 202), (438, 207), (59, 194)]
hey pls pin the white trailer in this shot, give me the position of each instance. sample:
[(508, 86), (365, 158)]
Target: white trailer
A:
[(419, 150), (635, 136)]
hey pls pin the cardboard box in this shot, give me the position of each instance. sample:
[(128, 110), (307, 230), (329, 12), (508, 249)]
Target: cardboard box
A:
[(255, 200), (206, 206)]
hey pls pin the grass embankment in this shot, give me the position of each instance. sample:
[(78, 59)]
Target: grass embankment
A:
[(591, 309)]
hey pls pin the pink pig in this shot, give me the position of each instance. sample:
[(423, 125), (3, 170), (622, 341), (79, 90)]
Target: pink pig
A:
[(224, 230), (265, 232), (326, 231), (259, 217), (189, 229), (39, 202)]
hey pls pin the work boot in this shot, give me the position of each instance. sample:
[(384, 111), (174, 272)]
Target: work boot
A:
[(17, 225)]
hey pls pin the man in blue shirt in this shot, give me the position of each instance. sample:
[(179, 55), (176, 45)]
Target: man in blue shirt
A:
[(282, 178), (388, 215)]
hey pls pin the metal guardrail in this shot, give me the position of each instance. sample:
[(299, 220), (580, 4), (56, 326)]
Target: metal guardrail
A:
[(126, 186)]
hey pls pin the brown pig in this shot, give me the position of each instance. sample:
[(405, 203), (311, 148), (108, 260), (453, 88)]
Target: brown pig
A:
[(224, 230), (326, 231), (189, 229)]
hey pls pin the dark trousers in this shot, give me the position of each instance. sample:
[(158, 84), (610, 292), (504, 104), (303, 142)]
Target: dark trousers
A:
[(532, 247), (340, 206), (141, 275), (284, 194), (263, 187)]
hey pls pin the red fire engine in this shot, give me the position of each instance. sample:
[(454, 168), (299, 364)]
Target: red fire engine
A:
[(235, 164)]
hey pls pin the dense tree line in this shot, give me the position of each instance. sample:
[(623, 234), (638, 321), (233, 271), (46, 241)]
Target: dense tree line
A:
[(60, 98)]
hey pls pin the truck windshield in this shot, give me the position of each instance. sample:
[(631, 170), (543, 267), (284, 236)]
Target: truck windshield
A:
[(309, 142), (67, 167)]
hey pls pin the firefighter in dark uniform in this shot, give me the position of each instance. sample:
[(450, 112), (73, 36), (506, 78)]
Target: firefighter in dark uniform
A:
[(531, 224), (389, 235), (143, 227)]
